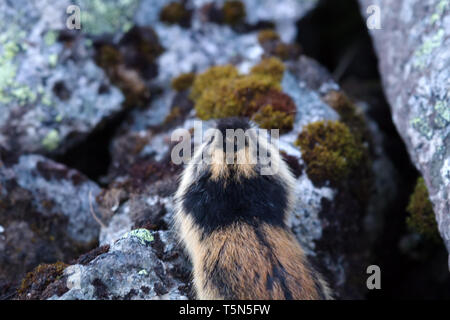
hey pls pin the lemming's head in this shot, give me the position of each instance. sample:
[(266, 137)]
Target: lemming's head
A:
[(235, 148)]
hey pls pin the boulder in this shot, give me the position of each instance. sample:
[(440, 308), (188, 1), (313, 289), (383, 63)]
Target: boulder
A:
[(412, 48)]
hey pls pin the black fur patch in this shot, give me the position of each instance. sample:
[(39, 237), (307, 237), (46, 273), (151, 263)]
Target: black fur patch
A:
[(232, 123), (252, 200)]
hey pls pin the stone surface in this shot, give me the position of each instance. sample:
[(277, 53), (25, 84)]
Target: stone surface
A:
[(416, 79), (139, 265), (45, 216), (52, 94)]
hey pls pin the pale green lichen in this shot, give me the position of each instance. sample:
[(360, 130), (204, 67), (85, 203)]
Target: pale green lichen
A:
[(423, 127), (143, 272), (10, 89), (100, 17), (442, 109), (143, 235), (51, 140), (440, 8), (52, 60), (50, 38), (422, 54)]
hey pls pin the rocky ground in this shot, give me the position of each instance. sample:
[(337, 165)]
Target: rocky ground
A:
[(86, 180)]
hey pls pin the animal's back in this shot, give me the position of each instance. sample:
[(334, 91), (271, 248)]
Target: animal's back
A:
[(232, 221)]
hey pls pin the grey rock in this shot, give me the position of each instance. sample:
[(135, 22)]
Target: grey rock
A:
[(139, 265), (45, 216), (416, 77), (51, 94)]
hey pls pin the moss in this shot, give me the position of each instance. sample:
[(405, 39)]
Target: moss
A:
[(210, 77), (222, 92), (175, 13), (272, 67), (329, 150), (234, 97), (276, 110), (421, 217), (268, 118), (267, 35), (183, 82), (36, 281), (348, 113), (233, 12)]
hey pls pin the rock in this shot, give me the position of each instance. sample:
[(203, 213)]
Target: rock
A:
[(139, 265), (416, 81), (45, 215), (52, 94)]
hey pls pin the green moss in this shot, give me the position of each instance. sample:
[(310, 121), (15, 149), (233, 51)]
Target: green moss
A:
[(329, 150), (267, 35), (422, 218), (175, 13), (268, 118), (233, 12), (272, 67), (234, 97), (51, 140), (210, 77), (183, 82), (36, 281), (143, 235), (222, 92)]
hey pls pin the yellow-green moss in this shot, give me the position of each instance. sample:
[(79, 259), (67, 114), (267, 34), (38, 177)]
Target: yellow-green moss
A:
[(267, 35), (174, 13), (222, 92), (268, 118), (183, 81), (233, 97), (233, 12), (272, 67), (329, 150), (210, 78), (422, 218)]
